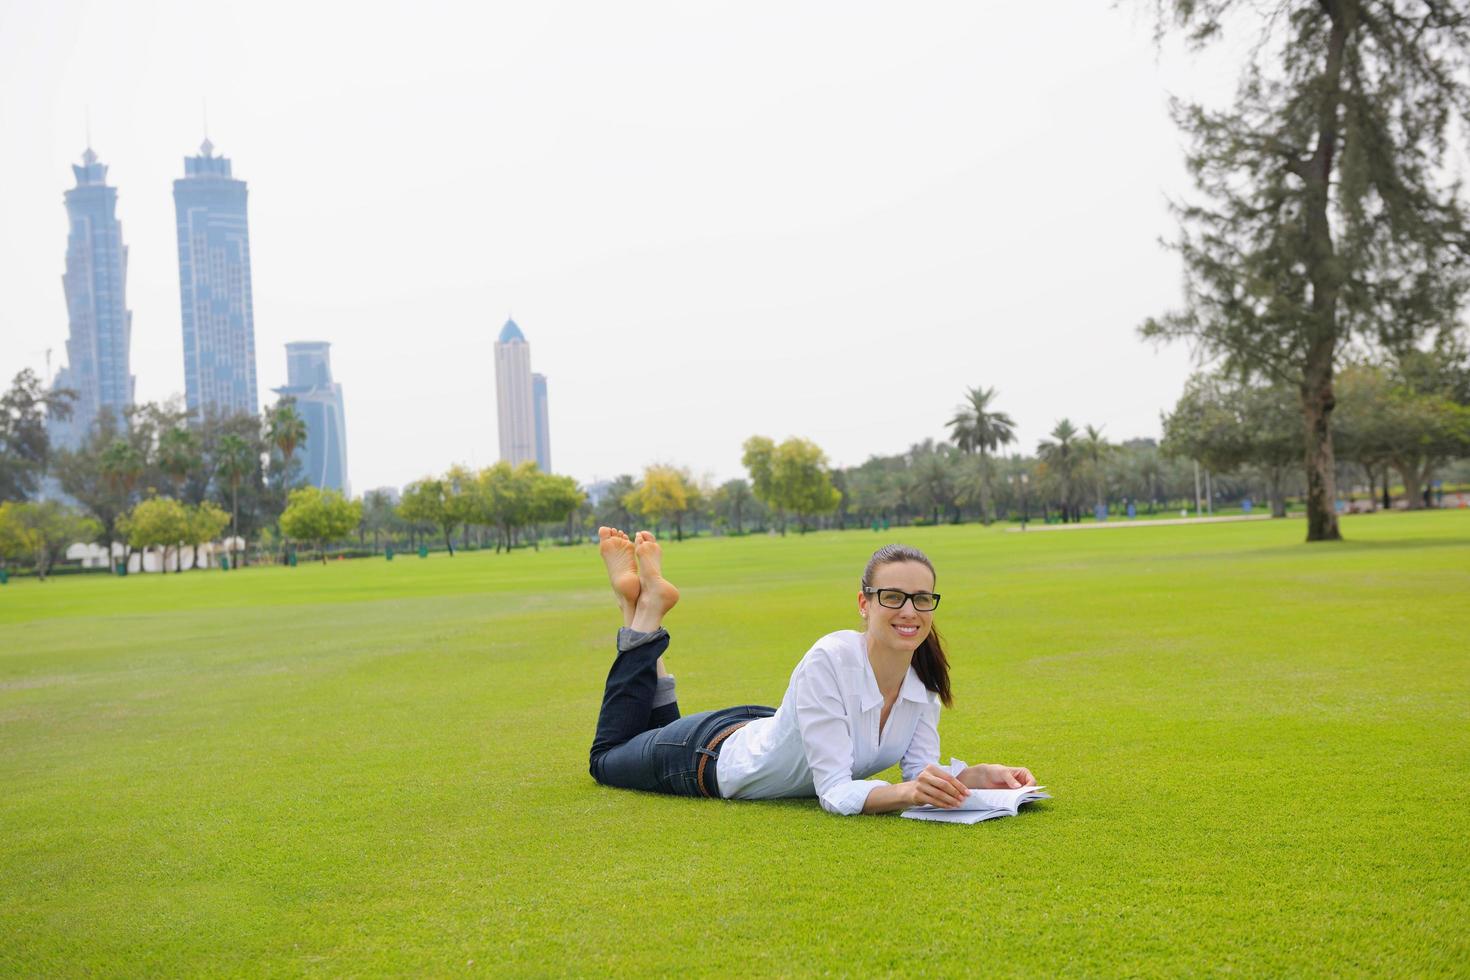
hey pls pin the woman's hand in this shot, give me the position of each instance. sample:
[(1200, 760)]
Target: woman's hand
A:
[(997, 777), (938, 787)]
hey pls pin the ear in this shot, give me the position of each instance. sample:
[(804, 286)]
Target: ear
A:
[(862, 604)]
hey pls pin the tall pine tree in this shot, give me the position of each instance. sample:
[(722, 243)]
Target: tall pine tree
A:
[(1326, 216)]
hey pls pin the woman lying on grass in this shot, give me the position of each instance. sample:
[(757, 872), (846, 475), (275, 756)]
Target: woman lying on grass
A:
[(857, 703)]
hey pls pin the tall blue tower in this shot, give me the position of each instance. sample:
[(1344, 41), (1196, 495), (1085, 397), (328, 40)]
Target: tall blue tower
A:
[(319, 401), (101, 326), (214, 286)]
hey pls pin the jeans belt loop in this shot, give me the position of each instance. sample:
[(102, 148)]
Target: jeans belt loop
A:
[(709, 751)]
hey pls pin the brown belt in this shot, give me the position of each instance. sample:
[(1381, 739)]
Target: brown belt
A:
[(704, 755)]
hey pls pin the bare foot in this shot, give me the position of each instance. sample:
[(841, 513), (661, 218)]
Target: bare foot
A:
[(657, 594), (622, 569)]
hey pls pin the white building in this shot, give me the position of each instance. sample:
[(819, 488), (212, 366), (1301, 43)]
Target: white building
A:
[(522, 416)]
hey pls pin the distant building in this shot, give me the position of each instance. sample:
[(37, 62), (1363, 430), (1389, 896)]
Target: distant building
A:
[(520, 401), (542, 423), (597, 490), (101, 326), (214, 286), (319, 401)]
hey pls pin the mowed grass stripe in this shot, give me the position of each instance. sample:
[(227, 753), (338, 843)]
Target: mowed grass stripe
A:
[(1259, 751)]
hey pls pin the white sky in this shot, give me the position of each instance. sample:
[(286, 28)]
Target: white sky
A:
[(710, 219)]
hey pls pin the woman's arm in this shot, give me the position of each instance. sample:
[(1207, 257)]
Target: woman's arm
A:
[(933, 785), (826, 734)]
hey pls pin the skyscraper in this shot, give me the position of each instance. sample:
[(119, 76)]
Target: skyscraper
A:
[(520, 402), (101, 326), (319, 402), (214, 286), (543, 425)]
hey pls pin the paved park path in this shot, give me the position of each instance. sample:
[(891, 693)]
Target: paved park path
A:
[(1126, 522), (1458, 500)]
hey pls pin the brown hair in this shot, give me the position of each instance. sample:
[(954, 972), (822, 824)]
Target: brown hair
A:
[(930, 661)]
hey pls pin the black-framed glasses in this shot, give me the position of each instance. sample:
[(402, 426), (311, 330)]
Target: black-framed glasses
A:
[(895, 598)]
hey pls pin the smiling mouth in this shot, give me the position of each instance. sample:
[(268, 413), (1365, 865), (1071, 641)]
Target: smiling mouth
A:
[(907, 630)]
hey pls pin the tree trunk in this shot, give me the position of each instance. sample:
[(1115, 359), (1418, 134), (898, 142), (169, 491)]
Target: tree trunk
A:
[(1413, 485), (1387, 496), (234, 520), (1274, 490), (1325, 275), (448, 539), (1317, 405), (987, 506)]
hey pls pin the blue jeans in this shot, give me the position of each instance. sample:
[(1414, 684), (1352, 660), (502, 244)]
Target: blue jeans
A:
[(638, 746)]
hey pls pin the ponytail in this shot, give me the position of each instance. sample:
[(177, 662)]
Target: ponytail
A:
[(932, 666)]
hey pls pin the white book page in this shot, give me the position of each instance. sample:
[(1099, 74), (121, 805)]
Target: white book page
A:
[(996, 799), (981, 804)]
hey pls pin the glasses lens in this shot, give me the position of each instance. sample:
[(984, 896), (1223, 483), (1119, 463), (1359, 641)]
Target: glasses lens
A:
[(926, 601), (892, 598)]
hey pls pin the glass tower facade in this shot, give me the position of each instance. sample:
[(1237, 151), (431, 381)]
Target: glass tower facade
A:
[(319, 401), (214, 286), (101, 326), (543, 425)]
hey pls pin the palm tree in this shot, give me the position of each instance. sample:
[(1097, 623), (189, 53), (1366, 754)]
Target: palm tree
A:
[(1095, 449), (1060, 455), (178, 453), (286, 430), (235, 460), (976, 429), (121, 466)]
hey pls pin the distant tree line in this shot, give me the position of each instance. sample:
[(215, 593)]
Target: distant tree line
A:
[(155, 479), (158, 480)]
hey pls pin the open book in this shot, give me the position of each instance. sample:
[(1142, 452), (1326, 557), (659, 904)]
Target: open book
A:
[(981, 804)]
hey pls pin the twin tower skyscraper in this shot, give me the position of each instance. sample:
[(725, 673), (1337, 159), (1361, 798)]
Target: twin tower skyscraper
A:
[(214, 286), (217, 307)]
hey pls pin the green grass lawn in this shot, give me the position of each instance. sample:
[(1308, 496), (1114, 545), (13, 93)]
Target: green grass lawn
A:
[(1259, 751)]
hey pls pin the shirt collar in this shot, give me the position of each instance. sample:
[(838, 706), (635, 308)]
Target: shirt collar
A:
[(912, 689)]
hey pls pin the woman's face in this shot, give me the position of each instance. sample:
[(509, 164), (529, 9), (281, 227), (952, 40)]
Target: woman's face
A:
[(901, 629)]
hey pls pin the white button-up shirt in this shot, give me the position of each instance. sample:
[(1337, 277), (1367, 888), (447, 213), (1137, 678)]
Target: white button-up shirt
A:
[(824, 740)]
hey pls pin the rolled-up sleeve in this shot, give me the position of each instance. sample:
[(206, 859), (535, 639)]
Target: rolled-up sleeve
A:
[(827, 738)]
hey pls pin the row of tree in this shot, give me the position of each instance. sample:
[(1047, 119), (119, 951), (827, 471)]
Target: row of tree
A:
[(1408, 415), (498, 498)]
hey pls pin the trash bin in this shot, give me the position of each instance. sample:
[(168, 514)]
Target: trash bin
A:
[(291, 559), (423, 551), (121, 568), (388, 554), (224, 563), (4, 575)]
